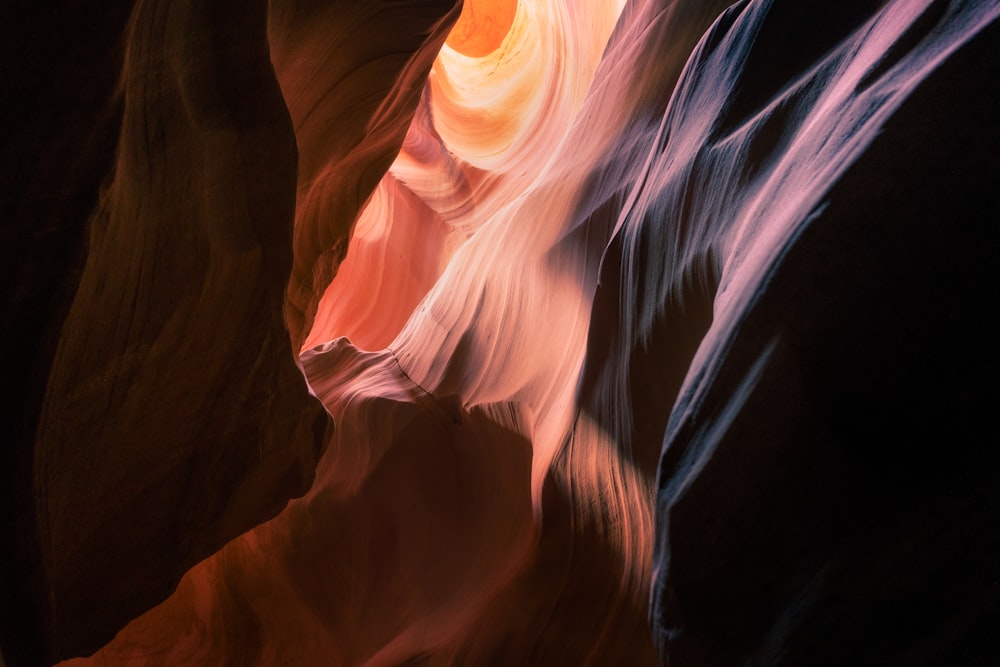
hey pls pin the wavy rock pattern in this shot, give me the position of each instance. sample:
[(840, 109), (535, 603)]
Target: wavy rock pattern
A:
[(649, 332), (59, 142), (825, 494), (183, 227), (174, 416), (352, 77)]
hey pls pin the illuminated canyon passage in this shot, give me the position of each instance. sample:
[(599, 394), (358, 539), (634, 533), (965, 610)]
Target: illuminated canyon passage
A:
[(512, 332)]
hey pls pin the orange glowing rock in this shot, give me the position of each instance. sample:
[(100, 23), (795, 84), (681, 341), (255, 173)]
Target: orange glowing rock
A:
[(482, 26)]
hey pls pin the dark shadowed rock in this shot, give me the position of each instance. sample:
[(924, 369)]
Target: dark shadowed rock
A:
[(60, 118), (174, 416), (827, 492), (149, 311)]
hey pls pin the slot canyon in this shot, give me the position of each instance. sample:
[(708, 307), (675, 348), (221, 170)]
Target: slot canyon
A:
[(504, 333)]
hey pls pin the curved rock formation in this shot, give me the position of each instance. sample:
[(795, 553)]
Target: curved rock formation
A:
[(649, 331), (827, 492), (59, 141), (175, 416), (352, 75)]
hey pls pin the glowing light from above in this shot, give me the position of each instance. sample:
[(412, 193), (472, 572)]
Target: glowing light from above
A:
[(504, 110), (482, 26)]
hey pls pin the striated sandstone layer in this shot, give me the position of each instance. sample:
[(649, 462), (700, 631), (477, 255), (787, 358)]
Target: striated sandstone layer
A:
[(158, 405), (645, 332)]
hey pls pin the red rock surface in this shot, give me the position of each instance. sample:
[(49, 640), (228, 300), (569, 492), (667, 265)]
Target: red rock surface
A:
[(635, 332)]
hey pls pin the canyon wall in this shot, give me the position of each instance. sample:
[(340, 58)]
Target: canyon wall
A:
[(645, 332)]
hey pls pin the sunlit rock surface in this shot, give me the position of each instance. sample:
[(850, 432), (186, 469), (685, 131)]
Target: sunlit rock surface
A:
[(828, 491), (352, 75), (649, 332)]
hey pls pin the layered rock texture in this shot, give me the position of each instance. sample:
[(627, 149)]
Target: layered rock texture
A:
[(538, 332)]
